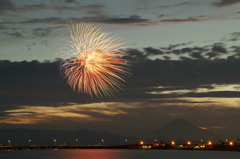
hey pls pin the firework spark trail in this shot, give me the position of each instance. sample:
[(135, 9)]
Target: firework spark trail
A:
[(92, 61)]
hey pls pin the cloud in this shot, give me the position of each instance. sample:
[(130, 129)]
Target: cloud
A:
[(10, 7), (44, 42), (31, 83), (177, 20), (172, 46), (219, 47), (137, 118), (236, 50), (160, 16), (40, 32), (208, 88), (137, 55), (5, 5), (234, 36), (15, 34), (197, 55), (164, 7), (71, 1), (134, 19), (226, 3), (215, 50), (90, 9), (6, 28), (73, 111), (152, 51)]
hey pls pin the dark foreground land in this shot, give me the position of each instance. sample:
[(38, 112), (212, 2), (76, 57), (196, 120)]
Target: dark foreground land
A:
[(135, 146)]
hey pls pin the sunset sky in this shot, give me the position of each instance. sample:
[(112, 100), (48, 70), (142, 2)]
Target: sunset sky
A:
[(185, 56)]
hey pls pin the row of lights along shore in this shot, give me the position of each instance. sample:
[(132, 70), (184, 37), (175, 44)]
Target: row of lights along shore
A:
[(9, 142), (141, 142), (54, 140), (190, 143)]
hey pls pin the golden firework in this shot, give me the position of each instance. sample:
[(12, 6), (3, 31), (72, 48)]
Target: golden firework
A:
[(92, 60)]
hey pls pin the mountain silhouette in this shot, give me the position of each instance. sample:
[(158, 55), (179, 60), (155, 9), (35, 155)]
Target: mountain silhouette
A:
[(180, 129)]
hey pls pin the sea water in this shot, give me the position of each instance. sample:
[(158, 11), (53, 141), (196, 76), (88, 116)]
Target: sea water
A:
[(118, 154)]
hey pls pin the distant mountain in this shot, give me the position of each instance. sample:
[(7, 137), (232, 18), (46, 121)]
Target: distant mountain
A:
[(45, 137), (180, 129)]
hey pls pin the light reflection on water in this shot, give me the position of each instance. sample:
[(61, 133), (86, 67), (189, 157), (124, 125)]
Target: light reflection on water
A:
[(117, 154)]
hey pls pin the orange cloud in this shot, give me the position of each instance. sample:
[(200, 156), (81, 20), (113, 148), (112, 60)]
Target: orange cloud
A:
[(204, 128)]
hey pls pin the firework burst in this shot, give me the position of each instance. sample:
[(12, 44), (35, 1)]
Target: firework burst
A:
[(91, 60)]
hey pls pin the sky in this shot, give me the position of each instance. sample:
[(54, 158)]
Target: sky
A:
[(185, 59)]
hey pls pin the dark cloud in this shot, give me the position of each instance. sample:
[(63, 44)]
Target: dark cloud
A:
[(90, 9), (44, 42), (5, 5), (234, 36), (236, 50), (219, 47), (40, 32), (225, 3), (164, 7), (209, 51), (152, 51), (7, 28), (138, 55), (134, 19), (197, 55), (53, 20), (95, 6), (94, 9), (176, 20), (71, 1), (166, 57), (32, 8), (215, 50), (36, 83), (15, 34), (211, 54), (40, 83), (172, 46), (160, 16), (10, 7)]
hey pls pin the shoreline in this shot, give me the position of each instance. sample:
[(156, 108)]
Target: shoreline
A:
[(135, 146)]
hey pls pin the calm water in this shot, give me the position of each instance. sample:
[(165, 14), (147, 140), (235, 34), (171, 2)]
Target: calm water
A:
[(117, 154)]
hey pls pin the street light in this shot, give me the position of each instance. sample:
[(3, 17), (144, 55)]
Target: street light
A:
[(9, 142), (102, 141), (141, 142), (29, 141), (173, 143), (189, 143), (209, 143), (76, 141), (55, 141)]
